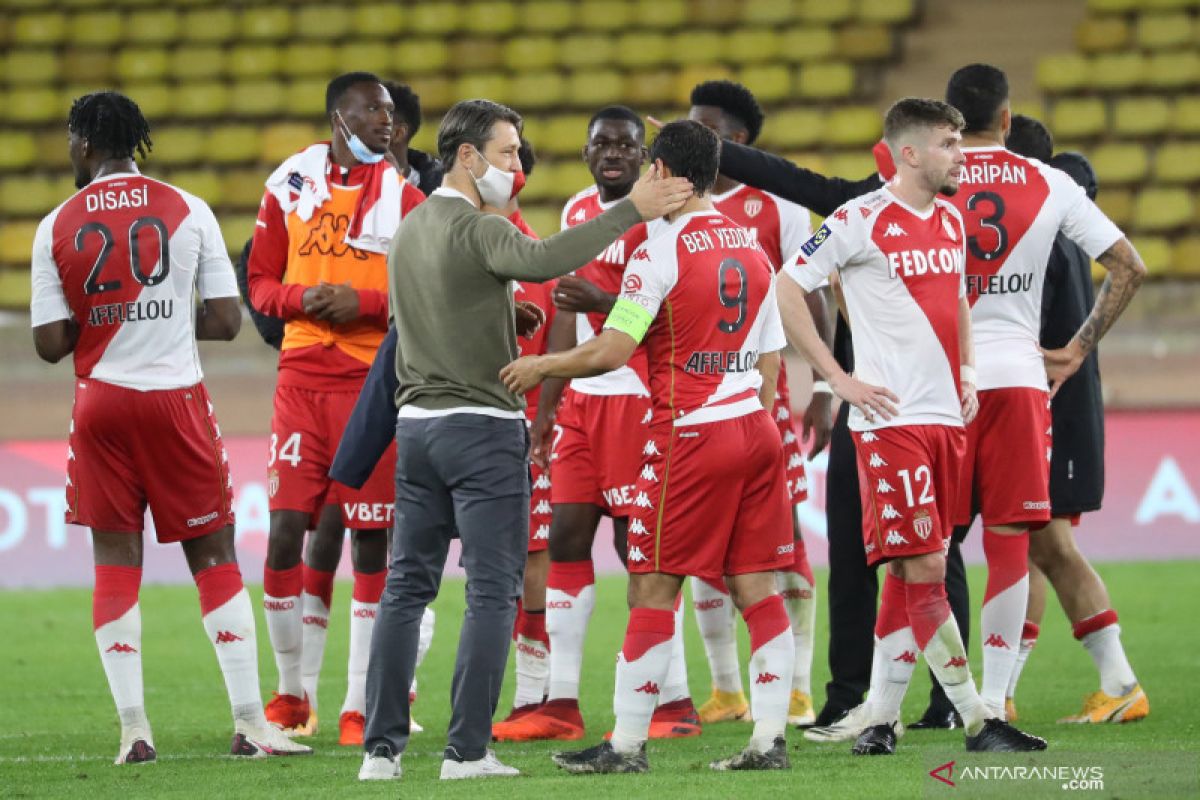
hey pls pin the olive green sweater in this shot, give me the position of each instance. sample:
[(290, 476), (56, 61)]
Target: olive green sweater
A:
[(449, 273)]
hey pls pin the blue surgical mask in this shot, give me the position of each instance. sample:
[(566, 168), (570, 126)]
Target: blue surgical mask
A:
[(358, 149)]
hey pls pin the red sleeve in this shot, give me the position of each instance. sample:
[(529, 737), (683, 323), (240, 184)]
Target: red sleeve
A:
[(268, 262), (410, 198), (522, 225)]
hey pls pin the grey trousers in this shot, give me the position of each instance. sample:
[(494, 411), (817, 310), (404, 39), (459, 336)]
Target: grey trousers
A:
[(464, 475)]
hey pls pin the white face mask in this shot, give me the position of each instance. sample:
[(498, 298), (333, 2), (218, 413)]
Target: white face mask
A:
[(358, 148), (497, 187)]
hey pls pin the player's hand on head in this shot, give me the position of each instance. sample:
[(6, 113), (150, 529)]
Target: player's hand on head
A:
[(655, 196), (342, 306), (970, 402), (521, 375), (577, 294), (817, 423), (877, 403), (655, 123), (541, 440), (1061, 364), (529, 318)]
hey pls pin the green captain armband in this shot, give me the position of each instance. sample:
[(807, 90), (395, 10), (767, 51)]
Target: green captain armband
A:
[(629, 318)]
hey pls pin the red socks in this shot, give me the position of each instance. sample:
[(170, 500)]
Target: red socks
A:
[(115, 592)]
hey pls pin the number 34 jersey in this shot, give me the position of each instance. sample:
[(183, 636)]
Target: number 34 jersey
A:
[(702, 293), (124, 258), (1013, 207)]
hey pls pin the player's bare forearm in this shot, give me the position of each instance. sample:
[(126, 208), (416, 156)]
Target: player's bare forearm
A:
[(768, 367), (218, 319), (1126, 271), (560, 338), (54, 341), (802, 331), (606, 352)]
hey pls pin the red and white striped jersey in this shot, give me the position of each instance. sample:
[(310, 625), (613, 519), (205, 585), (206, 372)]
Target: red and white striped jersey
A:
[(780, 225), (1013, 207), (711, 292), (902, 276), (605, 272), (124, 257)]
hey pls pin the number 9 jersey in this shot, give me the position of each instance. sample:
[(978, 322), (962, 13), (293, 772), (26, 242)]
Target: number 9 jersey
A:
[(124, 257)]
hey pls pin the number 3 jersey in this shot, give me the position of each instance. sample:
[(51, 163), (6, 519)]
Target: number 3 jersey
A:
[(902, 277), (701, 293), (124, 257), (1013, 207)]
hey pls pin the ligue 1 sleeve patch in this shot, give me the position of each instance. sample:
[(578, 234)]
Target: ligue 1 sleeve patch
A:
[(629, 318), (818, 239)]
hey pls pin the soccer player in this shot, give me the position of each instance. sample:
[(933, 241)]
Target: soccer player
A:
[(700, 293), (596, 458), (318, 261), (898, 254), (1014, 208), (419, 168), (781, 227), (114, 271)]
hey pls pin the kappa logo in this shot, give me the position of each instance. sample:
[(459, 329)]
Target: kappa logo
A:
[(227, 637), (650, 448), (327, 236), (643, 500), (922, 524), (869, 437), (802, 484), (649, 416), (542, 533), (636, 555), (782, 413), (890, 512), (766, 677), (944, 773), (796, 461), (648, 473), (955, 661), (894, 230), (883, 487), (579, 216), (121, 647), (789, 437), (894, 539), (908, 657), (842, 216), (543, 507), (996, 640), (649, 687), (877, 461), (753, 206), (638, 255), (542, 482), (869, 548), (633, 283), (636, 528)]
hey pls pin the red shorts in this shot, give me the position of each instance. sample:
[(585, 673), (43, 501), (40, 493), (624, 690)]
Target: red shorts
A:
[(797, 480), (305, 431), (597, 458), (1006, 475), (908, 479), (131, 449), (712, 501), (539, 508)]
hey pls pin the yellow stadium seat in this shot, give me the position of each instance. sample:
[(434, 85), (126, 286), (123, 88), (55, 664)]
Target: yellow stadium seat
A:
[(1063, 73), (1117, 70), (854, 126), (97, 28), (826, 81), (1098, 34), (28, 196), (547, 16), (433, 18), (1156, 253), (571, 177), (1185, 257), (16, 289), (305, 97), (420, 56), (826, 11), (377, 20), (268, 23), (1178, 162), (650, 88), (640, 50), (93, 66), (469, 55), (201, 99), (1163, 31), (770, 84), (585, 50), (1113, 6), (565, 135), (689, 48), (604, 15), (597, 87), (538, 187), (31, 67), (1032, 109), (204, 183), (16, 243), (50, 150), (752, 45), (795, 127), (530, 53), (354, 56), (805, 43), (285, 138), (543, 219), (243, 189), (197, 63), (1117, 204), (322, 22), (177, 144), (314, 59), (41, 28), (533, 128), (232, 144), (257, 97), (1120, 163), (687, 78), (495, 86), (436, 92), (664, 14), (1162, 209), (855, 165), (865, 42), (141, 64), (156, 100), (490, 17), (537, 89), (1172, 70), (888, 12), (208, 25), (1078, 119), (18, 149), (1168, 5), (713, 12), (1141, 116), (768, 12), (1185, 118), (33, 105), (158, 26), (236, 230), (253, 61)]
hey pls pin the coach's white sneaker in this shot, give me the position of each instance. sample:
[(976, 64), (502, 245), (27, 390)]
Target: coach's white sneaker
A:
[(262, 739), (414, 726), (379, 765), (136, 747), (487, 767), (846, 729)]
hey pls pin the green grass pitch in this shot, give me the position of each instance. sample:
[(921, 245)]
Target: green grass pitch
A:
[(59, 732)]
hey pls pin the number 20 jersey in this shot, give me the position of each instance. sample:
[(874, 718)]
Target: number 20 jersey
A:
[(1013, 207), (124, 257)]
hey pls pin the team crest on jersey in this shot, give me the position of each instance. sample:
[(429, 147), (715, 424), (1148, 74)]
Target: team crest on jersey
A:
[(753, 205), (948, 226), (818, 239), (922, 523), (272, 483)]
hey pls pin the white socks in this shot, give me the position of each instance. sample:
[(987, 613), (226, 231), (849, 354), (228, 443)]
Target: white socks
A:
[(715, 617)]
